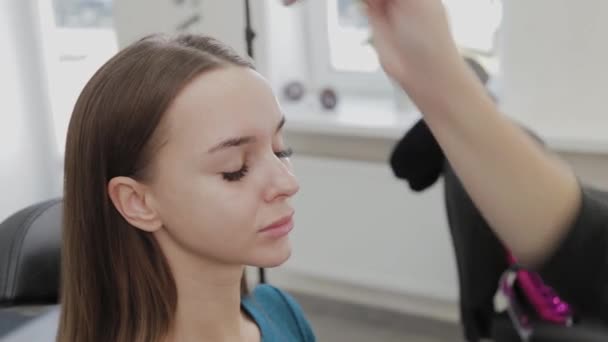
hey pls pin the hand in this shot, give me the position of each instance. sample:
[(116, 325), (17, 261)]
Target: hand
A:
[(413, 40)]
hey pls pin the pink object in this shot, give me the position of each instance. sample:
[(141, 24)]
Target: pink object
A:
[(543, 299), (547, 304)]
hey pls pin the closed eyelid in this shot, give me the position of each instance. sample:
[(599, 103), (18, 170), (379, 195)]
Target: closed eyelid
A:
[(281, 124)]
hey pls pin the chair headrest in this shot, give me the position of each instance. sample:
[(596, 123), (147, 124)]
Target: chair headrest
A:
[(30, 245)]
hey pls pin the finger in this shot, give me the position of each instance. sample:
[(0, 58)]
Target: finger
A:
[(377, 16), (377, 6), (381, 29)]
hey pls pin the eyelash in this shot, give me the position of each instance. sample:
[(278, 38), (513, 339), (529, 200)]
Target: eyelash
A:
[(284, 153), (238, 175)]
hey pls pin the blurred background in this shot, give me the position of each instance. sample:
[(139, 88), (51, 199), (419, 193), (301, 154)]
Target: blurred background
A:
[(372, 259)]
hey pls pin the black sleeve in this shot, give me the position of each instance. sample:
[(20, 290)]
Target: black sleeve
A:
[(578, 270)]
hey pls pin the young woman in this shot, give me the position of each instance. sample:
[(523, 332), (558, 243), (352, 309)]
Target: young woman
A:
[(176, 177), (531, 200)]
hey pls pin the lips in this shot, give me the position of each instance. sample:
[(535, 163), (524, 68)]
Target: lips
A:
[(280, 223), (279, 228)]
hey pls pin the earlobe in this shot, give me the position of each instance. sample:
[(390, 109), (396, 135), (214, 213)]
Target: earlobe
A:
[(130, 198)]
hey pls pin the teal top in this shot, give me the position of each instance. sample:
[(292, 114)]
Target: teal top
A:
[(278, 316)]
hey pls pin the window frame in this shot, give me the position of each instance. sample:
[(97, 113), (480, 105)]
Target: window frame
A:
[(322, 72), (370, 83)]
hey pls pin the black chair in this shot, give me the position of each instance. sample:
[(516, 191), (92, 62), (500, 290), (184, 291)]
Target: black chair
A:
[(481, 260), (30, 243)]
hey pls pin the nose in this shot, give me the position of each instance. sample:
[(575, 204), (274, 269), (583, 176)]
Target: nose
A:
[(282, 183)]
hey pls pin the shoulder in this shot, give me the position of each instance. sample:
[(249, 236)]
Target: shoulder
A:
[(276, 302), (282, 309), (274, 297)]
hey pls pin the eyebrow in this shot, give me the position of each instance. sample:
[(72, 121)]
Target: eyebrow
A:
[(240, 141)]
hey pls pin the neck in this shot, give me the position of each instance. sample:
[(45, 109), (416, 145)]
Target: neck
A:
[(209, 300), (209, 307)]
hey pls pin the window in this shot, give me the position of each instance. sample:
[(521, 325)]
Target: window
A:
[(341, 56), (349, 34), (475, 25), (345, 58), (77, 38), (79, 14)]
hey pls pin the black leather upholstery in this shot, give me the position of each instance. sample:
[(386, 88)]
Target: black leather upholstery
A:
[(480, 258), (30, 243)]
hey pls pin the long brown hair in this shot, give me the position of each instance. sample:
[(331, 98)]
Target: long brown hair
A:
[(116, 284)]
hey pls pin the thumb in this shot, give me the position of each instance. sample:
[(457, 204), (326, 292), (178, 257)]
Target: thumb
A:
[(378, 4), (384, 38), (379, 22), (376, 8), (377, 15)]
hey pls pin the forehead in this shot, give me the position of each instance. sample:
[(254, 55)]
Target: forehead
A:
[(226, 102)]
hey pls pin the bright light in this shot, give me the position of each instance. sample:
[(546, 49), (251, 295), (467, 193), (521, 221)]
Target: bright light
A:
[(348, 38), (474, 25)]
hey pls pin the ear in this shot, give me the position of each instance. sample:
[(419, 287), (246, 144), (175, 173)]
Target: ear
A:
[(134, 203)]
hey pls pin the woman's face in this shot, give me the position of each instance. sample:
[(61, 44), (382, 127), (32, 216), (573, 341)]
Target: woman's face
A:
[(223, 180)]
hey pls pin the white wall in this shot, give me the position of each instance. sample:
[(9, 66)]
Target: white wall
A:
[(224, 20), (27, 148), (359, 227), (555, 76), (283, 48)]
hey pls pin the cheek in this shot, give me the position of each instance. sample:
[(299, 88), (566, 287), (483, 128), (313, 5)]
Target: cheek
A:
[(210, 211), (226, 207)]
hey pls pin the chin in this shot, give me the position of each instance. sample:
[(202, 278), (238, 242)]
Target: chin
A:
[(272, 256)]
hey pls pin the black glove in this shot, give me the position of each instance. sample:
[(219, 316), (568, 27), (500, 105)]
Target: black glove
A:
[(418, 158)]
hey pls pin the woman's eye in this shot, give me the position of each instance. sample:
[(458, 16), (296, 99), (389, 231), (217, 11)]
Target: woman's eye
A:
[(284, 153), (236, 175), (239, 174)]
